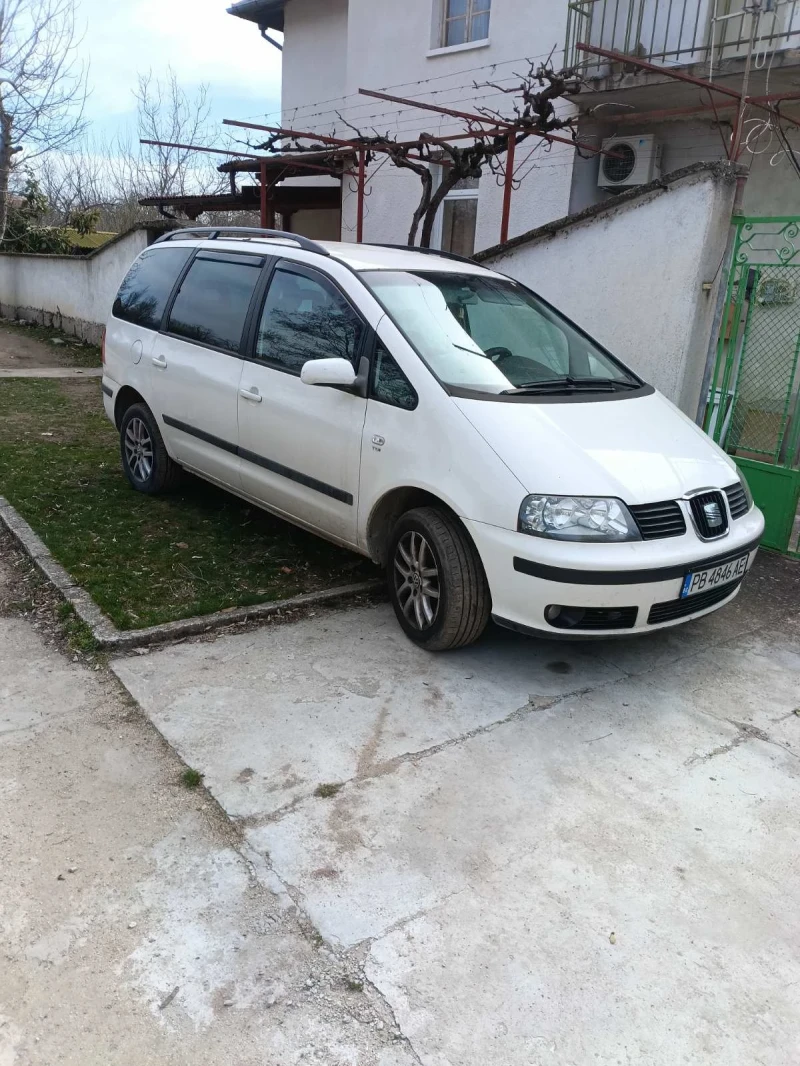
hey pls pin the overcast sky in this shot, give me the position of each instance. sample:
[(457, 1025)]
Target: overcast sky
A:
[(196, 37)]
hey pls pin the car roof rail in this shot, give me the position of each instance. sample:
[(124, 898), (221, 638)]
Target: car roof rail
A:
[(424, 251), (213, 233)]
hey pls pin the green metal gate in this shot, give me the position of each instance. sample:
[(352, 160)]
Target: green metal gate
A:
[(753, 409)]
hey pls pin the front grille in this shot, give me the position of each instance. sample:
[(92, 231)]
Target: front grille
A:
[(737, 500), (656, 520), (672, 609), (587, 618), (710, 514)]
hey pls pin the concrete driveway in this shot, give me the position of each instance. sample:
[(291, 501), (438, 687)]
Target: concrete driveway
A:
[(545, 853)]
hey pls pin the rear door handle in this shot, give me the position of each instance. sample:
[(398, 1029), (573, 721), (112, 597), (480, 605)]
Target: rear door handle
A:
[(251, 394), (160, 361)]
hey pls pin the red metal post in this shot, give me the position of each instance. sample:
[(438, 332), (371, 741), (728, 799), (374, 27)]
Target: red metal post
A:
[(199, 148), (512, 144), (264, 195), (361, 180), (468, 116), (299, 135), (355, 144)]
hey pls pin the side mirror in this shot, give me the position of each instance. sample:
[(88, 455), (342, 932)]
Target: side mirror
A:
[(328, 372)]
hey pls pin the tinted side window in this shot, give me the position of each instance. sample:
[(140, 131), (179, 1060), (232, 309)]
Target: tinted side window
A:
[(143, 294), (389, 383), (305, 318), (213, 299)]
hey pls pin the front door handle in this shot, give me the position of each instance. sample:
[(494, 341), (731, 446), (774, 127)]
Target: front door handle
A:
[(252, 394), (160, 361)]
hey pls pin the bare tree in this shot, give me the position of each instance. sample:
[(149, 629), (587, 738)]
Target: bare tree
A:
[(113, 175), (43, 86), (72, 181), (165, 112)]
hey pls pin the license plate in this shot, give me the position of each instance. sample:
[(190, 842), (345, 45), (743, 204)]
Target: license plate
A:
[(711, 578)]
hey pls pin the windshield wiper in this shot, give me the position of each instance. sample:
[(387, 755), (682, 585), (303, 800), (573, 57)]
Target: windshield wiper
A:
[(570, 384), (472, 351)]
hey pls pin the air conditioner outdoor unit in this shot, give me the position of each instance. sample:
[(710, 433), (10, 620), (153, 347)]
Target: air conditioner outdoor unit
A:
[(633, 161)]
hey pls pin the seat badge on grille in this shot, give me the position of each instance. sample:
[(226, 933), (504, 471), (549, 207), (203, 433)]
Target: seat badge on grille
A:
[(713, 514)]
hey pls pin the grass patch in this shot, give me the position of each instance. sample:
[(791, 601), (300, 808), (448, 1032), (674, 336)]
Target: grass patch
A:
[(191, 778), (79, 635), (75, 352), (145, 560), (328, 789), (353, 985)]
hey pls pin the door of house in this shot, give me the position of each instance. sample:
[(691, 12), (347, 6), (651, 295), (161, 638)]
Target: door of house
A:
[(754, 406)]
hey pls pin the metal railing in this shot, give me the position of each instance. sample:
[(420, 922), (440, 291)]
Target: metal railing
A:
[(678, 32)]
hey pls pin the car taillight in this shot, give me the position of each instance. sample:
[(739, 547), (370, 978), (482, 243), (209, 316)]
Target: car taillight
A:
[(103, 349)]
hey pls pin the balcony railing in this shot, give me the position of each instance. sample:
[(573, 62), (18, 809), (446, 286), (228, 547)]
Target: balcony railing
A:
[(678, 32)]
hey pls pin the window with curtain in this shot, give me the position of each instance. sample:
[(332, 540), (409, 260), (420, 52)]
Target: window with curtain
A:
[(459, 217), (465, 21)]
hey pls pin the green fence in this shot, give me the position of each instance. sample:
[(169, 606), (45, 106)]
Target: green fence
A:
[(753, 409)]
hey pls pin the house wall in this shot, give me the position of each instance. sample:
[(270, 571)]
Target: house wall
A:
[(73, 293), (633, 277), (314, 53), (399, 53), (333, 48), (770, 190)]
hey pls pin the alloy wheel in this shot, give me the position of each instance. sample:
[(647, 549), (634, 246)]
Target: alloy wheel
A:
[(139, 449), (416, 580)]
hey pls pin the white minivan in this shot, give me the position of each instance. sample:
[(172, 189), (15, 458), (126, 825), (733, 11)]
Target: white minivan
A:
[(433, 415)]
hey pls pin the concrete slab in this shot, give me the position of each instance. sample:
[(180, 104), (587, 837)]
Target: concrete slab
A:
[(553, 962), (35, 683), (132, 927), (52, 372), (603, 769), (579, 853), (270, 715)]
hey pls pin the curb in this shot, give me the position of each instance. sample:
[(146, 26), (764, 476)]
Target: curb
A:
[(106, 634)]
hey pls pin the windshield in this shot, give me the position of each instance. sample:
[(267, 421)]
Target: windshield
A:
[(491, 335)]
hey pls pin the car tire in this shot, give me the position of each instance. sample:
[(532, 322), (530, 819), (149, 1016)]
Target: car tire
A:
[(437, 584), (145, 461)]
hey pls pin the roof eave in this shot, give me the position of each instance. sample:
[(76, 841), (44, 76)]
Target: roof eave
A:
[(266, 14)]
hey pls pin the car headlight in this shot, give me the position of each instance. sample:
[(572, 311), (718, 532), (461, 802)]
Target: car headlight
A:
[(577, 518)]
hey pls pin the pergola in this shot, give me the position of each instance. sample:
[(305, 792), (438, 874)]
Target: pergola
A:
[(342, 158), (339, 158), (268, 196)]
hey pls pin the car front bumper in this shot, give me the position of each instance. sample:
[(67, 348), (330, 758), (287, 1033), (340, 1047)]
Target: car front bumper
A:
[(527, 574)]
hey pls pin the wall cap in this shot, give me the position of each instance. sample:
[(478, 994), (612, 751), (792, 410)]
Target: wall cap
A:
[(718, 170), (156, 227)]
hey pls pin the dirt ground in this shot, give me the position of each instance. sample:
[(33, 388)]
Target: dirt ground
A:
[(24, 348)]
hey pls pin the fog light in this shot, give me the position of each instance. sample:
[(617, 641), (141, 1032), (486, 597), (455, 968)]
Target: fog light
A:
[(564, 617)]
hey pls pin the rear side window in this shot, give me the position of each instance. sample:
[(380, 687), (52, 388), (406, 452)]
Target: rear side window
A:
[(306, 318), (212, 302), (143, 294)]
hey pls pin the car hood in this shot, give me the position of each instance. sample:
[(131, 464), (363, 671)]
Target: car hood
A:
[(641, 449)]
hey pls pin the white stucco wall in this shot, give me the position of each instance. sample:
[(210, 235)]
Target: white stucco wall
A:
[(395, 48), (633, 278), (770, 190), (314, 53), (333, 48), (73, 293)]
